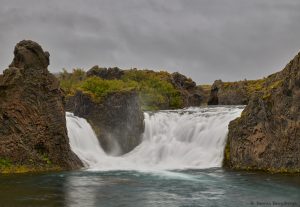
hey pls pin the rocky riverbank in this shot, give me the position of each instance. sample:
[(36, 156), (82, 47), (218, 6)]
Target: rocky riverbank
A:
[(267, 135), (33, 134)]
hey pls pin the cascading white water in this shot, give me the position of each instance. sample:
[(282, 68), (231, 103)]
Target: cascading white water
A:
[(192, 138), (83, 140)]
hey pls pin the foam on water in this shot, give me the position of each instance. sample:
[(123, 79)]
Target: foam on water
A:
[(192, 138)]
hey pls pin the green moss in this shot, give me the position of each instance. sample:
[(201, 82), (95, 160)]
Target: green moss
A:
[(227, 152), (4, 163), (266, 96), (250, 86), (46, 160), (28, 168), (253, 86), (7, 166), (267, 170), (276, 84)]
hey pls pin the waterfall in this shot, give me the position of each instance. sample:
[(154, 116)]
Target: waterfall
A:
[(191, 138), (83, 140)]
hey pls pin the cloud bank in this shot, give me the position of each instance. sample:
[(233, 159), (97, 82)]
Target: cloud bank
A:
[(203, 39)]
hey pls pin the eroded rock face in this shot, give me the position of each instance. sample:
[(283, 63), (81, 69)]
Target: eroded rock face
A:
[(182, 82), (192, 94), (32, 117), (117, 120), (267, 135), (233, 93)]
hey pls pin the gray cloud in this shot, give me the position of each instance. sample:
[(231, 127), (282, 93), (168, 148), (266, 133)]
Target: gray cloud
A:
[(204, 39)]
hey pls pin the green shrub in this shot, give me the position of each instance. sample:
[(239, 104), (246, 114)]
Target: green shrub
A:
[(155, 88), (70, 82), (100, 88)]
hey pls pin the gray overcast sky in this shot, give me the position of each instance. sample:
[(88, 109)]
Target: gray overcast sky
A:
[(203, 39)]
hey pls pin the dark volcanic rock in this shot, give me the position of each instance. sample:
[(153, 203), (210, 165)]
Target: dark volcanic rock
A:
[(233, 93), (105, 73), (182, 82), (32, 118), (267, 135), (192, 95), (117, 120)]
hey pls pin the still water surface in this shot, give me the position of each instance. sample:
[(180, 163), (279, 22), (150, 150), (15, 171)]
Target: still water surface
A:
[(210, 187)]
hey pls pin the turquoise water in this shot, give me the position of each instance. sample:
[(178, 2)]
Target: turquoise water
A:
[(210, 187), (191, 138)]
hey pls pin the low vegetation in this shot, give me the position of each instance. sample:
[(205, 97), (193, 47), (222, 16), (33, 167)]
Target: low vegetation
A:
[(250, 86), (264, 86), (155, 88), (7, 166)]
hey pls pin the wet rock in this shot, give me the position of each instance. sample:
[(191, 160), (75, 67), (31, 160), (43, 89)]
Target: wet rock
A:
[(117, 120)]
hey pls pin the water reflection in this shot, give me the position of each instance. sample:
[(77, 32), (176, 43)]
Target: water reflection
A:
[(102, 189), (211, 187)]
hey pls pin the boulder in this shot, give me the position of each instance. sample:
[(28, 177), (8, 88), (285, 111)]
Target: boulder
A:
[(33, 133)]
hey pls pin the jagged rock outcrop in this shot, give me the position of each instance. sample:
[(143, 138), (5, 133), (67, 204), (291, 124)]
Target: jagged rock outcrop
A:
[(182, 82), (105, 73), (33, 134), (117, 119), (267, 135), (192, 94)]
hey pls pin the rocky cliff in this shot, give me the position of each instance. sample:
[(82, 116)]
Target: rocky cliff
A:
[(233, 93), (117, 119), (267, 135), (33, 134)]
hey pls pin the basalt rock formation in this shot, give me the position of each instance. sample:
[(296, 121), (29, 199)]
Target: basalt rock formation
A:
[(234, 93), (33, 134), (192, 94), (267, 135), (117, 119)]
